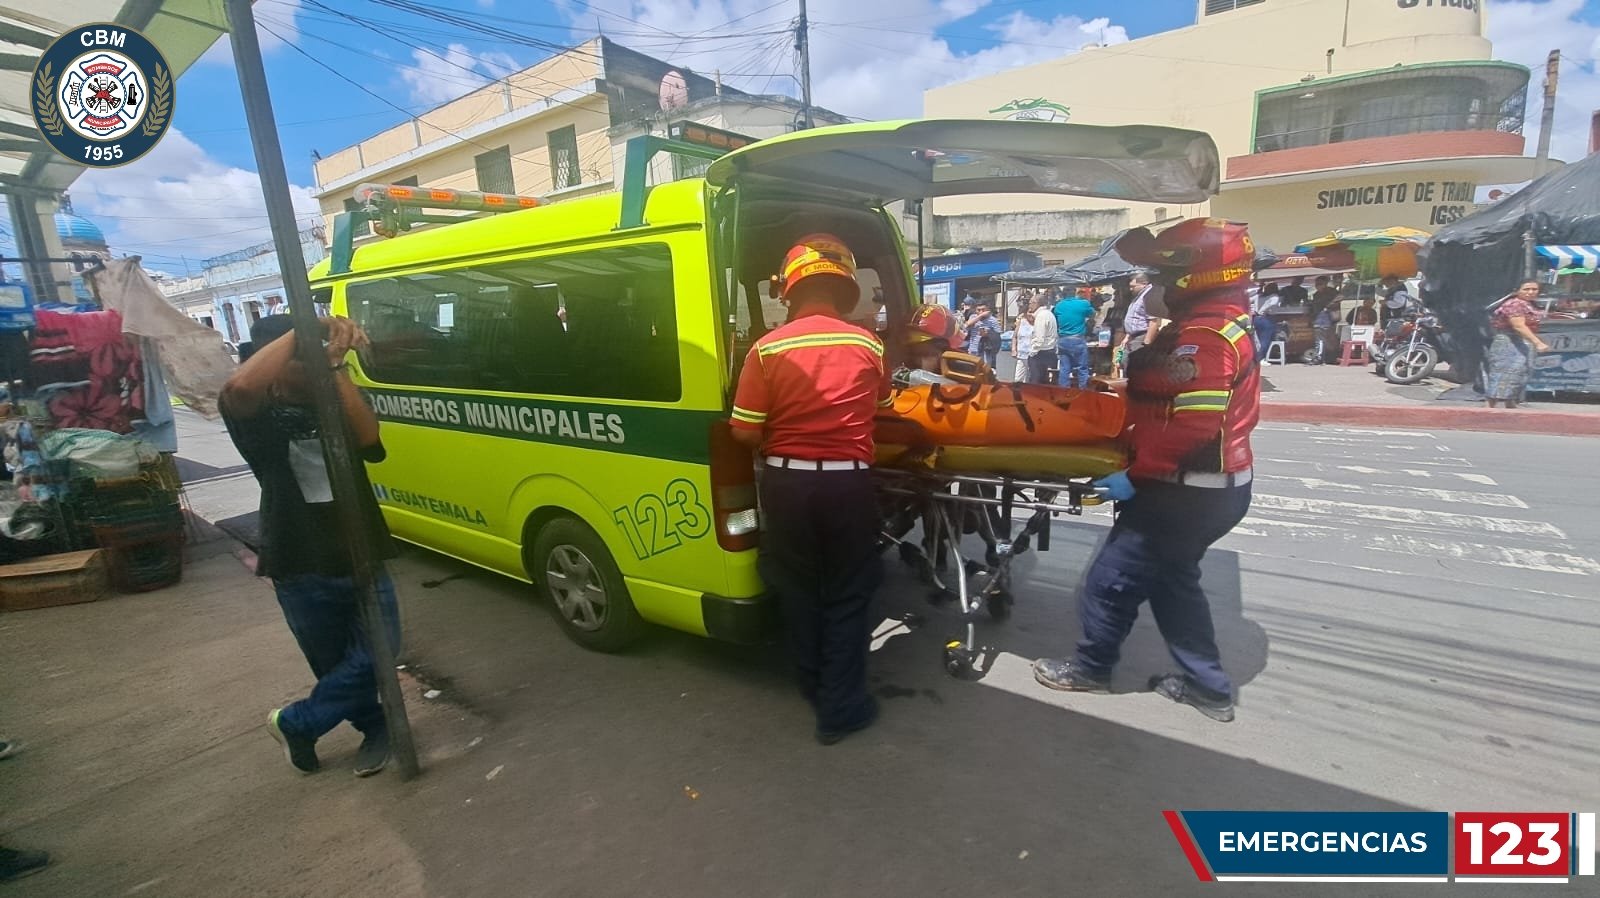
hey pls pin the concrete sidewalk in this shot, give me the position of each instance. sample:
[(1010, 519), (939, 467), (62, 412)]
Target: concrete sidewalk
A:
[(146, 768), (1329, 394)]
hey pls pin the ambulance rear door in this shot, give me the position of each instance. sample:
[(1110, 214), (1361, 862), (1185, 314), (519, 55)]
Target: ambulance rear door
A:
[(914, 160)]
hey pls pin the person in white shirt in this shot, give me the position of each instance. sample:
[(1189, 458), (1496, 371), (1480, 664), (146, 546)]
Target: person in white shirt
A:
[(1042, 359), (1022, 341)]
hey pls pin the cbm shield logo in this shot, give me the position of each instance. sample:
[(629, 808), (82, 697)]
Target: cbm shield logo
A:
[(102, 95)]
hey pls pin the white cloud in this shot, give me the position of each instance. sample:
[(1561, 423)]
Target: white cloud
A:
[(867, 60), (1525, 31), (281, 16), (180, 201), (438, 77)]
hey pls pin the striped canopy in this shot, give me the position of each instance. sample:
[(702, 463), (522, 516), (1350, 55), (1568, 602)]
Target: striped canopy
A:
[(1586, 257)]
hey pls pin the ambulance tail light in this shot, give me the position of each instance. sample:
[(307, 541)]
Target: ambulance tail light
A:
[(733, 491)]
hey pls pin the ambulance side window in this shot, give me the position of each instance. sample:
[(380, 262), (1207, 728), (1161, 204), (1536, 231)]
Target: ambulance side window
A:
[(599, 323)]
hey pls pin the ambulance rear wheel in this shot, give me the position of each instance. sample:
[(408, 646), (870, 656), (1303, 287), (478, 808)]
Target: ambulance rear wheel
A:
[(571, 568)]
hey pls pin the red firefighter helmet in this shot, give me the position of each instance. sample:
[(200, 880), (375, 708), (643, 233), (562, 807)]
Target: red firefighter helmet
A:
[(821, 256), (933, 322), (1194, 256)]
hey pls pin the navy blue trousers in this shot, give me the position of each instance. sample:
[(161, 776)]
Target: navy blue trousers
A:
[(1153, 555), (819, 557), (324, 614)]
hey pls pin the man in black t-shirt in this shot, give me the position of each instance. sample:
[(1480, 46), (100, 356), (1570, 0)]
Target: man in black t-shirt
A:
[(267, 407)]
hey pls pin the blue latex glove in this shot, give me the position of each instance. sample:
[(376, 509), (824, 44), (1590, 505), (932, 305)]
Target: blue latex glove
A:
[(1116, 487)]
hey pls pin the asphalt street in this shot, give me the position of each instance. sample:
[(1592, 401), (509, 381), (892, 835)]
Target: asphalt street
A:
[(1410, 617)]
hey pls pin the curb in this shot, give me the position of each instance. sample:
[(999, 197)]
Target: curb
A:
[(1474, 418)]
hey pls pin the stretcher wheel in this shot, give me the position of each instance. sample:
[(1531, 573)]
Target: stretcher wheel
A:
[(958, 661), (1000, 604)]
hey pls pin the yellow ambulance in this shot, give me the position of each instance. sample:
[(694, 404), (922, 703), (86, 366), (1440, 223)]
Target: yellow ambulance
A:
[(555, 381)]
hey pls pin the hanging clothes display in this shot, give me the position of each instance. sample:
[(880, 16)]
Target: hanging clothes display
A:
[(96, 372)]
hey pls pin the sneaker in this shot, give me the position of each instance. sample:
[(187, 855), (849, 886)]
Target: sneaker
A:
[(1181, 690), (7, 749), (16, 864), (301, 752), (832, 737), (1068, 676), (373, 755)]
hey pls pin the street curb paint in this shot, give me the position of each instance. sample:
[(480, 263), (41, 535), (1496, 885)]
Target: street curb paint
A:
[(1478, 419)]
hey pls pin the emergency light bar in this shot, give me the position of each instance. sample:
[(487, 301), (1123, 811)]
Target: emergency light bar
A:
[(393, 208), (707, 136)]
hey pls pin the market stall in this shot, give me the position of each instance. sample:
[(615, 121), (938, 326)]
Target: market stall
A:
[(1572, 322), (1294, 322), (88, 435), (1471, 264)]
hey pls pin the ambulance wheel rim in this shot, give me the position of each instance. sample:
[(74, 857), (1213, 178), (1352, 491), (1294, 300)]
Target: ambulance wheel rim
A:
[(576, 586)]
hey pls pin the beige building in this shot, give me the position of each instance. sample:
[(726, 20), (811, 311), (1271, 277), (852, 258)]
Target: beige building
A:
[(1328, 114), (556, 129)]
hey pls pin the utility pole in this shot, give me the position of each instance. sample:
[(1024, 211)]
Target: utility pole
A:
[(1552, 74), (802, 43), (336, 441)]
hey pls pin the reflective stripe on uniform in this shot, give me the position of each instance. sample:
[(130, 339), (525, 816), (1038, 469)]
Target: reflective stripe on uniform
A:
[(886, 402), (1235, 330), (812, 341), (1202, 401), (749, 417)]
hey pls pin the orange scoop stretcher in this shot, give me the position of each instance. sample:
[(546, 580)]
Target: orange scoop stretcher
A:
[(963, 454)]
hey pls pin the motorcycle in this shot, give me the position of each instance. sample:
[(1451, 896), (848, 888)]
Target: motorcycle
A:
[(1411, 348)]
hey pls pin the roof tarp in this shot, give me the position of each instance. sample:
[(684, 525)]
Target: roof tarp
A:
[(1476, 261)]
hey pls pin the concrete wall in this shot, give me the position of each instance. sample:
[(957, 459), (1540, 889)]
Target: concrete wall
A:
[(1285, 214)]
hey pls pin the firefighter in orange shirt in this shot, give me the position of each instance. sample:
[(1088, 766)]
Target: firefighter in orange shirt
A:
[(806, 400)]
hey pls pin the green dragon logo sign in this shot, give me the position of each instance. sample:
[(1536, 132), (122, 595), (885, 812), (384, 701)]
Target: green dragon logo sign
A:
[(1034, 110)]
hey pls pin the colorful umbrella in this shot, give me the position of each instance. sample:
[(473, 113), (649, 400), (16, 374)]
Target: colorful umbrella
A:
[(1379, 252)]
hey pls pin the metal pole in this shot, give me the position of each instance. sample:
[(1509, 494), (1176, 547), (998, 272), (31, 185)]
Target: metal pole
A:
[(922, 278), (308, 340), (1530, 261), (803, 44), (1552, 75)]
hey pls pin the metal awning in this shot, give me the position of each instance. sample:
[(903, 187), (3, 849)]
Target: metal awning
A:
[(182, 29), (1586, 256)]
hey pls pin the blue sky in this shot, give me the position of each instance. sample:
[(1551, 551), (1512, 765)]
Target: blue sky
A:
[(197, 195)]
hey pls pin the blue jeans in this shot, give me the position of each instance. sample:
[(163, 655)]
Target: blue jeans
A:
[(1153, 555), (324, 614), (1074, 362)]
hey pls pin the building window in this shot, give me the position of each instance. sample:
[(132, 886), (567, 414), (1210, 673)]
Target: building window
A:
[(564, 170), (599, 324), (1391, 104), (1215, 6), (494, 171)]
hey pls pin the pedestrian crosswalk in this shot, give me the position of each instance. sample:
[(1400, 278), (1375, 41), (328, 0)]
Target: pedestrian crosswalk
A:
[(1398, 499)]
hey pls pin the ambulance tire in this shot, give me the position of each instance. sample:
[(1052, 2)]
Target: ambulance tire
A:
[(574, 573)]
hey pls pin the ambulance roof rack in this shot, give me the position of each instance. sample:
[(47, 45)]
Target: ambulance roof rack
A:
[(393, 208)]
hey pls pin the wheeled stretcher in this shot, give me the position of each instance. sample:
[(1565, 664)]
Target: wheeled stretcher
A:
[(1032, 449)]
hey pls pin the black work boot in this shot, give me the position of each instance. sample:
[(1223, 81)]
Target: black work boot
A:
[(1068, 676), (1186, 692)]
